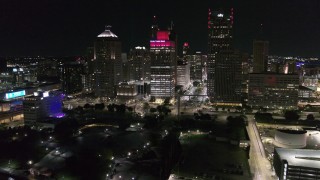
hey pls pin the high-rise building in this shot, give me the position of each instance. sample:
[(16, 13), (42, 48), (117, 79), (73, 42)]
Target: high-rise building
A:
[(183, 74), (72, 77), (197, 63), (139, 62), (220, 37), (228, 78), (185, 49), (108, 63), (48, 71), (163, 63), (245, 77), (260, 56), (260, 62), (88, 76)]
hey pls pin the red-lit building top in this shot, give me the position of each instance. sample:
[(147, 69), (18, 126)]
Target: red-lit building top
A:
[(163, 40)]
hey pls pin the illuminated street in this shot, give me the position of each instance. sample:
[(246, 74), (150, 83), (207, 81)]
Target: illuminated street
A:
[(260, 166)]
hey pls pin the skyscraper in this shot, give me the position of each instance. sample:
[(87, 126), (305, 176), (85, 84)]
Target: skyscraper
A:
[(220, 37), (108, 64), (228, 78), (163, 63), (198, 70), (260, 56), (139, 62), (183, 74), (72, 77)]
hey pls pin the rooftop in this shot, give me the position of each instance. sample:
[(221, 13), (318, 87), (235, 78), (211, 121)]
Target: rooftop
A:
[(300, 157), (107, 33)]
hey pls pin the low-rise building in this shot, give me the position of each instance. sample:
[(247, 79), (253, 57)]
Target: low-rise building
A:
[(296, 164), (42, 105)]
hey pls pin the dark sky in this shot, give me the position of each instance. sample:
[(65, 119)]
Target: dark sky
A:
[(67, 27)]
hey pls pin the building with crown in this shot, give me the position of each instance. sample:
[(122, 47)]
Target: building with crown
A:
[(107, 64), (163, 63)]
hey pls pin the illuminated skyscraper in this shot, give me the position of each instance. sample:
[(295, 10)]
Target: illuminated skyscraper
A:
[(198, 70), (183, 74), (139, 62), (220, 37), (108, 64), (163, 63)]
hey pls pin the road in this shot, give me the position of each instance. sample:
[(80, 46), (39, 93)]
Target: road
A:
[(259, 163), (12, 119)]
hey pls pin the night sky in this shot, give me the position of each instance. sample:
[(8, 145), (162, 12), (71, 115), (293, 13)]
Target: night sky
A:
[(67, 27)]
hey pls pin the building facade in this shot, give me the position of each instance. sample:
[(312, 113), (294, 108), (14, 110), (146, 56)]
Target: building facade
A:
[(260, 56), (42, 105), (228, 78), (272, 90), (139, 62), (220, 37), (197, 63), (296, 164), (108, 64), (183, 74), (126, 91), (72, 74), (163, 63)]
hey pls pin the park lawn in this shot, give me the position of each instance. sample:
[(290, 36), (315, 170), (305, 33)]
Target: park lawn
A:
[(206, 156)]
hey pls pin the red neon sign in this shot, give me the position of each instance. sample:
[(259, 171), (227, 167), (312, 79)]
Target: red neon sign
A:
[(163, 35)]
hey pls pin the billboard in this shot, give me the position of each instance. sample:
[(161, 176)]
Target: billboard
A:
[(15, 94)]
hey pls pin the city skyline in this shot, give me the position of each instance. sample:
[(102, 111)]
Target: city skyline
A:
[(67, 28)]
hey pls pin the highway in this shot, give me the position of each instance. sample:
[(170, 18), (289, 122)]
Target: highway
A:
[(259, 164)]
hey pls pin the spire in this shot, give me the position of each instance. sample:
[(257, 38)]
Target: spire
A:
[(260, 35), (108, 27)]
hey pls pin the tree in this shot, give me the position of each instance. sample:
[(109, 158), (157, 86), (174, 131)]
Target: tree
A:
[(130, 109), (99, 106), (310, 117), (146, 106), (111, 107), (291, 116), (196, 83), (160, 109), (153, 110), (166, 100), (121, 108), (87, 106), (264, 117), (152, 99), (307, 107)]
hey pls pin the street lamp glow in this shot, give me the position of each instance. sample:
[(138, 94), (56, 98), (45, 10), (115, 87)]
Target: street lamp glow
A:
[(29, 162)]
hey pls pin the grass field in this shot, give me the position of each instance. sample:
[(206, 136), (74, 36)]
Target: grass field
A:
[(204, 156)]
